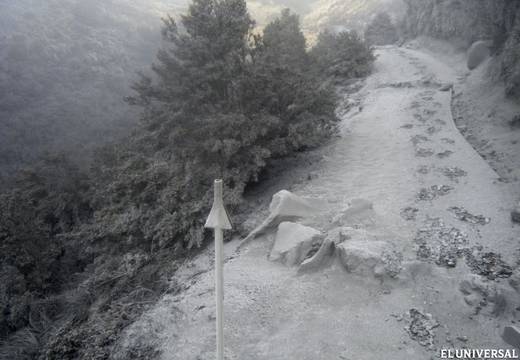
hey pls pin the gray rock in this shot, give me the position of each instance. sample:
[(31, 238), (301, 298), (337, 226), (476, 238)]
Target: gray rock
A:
[(511, 335), (319, 260), (369, 258), (293, 243), (286, 206), (477, 53)]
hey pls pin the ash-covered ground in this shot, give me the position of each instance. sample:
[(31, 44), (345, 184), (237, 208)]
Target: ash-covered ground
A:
[(424, 254)]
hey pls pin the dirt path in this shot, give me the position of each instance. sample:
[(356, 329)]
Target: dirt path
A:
[(436, 200)]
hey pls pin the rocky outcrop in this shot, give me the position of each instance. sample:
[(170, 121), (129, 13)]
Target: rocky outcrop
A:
[(294, 242), (370, 258), (286, 206)]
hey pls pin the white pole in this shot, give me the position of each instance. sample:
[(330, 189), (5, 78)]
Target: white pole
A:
[(219, 221), (219, 287)]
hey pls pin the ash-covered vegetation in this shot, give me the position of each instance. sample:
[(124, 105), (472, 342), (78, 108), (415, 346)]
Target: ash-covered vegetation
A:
[(64, 68), (85, 251)]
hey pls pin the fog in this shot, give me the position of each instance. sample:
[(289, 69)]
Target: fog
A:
[(66, 65), (388, 155)]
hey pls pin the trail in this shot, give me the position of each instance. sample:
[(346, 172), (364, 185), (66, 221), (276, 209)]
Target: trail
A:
[(399, 142)]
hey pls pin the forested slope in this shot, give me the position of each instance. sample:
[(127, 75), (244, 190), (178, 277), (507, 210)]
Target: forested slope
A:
[(84, 251), (65, 67)]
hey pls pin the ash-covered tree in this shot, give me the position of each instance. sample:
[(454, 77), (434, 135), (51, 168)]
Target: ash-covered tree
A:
[(193, 128), (342, 56), (285, 42), (381, 30), (292, 92), (222, 101)]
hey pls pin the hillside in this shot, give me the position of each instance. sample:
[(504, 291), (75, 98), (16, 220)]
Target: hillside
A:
[(349, 14), (65, 70), (464, 22), (66, 67), (400, 176), (373, 186)]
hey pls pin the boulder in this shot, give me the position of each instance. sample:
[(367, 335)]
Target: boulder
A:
[(286, 206), (511, 335), (477, 53), (294, 242), (319, 260), (359, 213), (369, 258)]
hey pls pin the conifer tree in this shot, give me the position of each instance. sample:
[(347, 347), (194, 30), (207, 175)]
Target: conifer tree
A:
[(381, 30)]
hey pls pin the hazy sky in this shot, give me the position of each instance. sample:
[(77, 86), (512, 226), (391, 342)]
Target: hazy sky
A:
[(315, 14), (261, 10)]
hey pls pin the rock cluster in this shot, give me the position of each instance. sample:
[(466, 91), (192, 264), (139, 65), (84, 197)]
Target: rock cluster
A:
[(349, 242), (421, 327), (370, 258), (286, 206)]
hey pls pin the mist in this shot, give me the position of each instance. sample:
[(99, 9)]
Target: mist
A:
[(365, 152), (66, 66)]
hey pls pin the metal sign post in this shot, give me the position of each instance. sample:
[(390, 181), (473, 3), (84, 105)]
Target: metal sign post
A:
[(219, 221)]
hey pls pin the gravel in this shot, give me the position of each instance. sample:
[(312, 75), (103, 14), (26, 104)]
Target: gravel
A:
[(464, 215), (420, 327)]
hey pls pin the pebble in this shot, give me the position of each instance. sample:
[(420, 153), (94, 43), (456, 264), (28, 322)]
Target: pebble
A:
[(462, 338)]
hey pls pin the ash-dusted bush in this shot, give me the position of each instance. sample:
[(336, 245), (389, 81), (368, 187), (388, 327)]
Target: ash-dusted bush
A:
[(35, 262), (381, 31), (344, 55)]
